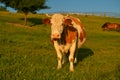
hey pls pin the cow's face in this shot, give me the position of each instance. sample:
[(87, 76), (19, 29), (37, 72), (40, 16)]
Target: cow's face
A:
[(57, 22), (56, 26)]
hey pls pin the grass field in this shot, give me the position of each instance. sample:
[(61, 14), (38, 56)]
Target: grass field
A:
[(27, 54)]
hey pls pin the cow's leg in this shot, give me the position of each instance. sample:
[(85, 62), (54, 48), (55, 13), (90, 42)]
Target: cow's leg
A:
[(71, 56), (76, 53), (66, 52), (75, 60), (59, 54), (64, 58)]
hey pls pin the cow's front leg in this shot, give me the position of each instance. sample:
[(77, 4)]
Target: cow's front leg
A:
[(59, 54), (64, 60), (71, 56), (71, 59)]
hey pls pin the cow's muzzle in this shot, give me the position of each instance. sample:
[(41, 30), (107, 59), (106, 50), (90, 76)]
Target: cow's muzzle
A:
[(55, 36)]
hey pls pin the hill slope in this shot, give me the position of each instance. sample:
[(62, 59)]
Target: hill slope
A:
[(27, 54)]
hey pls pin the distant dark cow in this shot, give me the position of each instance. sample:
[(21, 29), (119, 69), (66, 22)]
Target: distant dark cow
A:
[(67, 35), (111, 26)]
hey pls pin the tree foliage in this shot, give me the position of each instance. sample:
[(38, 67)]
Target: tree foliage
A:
[(25, 6)]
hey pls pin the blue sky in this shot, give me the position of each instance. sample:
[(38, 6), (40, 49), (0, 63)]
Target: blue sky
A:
[(83, 6)]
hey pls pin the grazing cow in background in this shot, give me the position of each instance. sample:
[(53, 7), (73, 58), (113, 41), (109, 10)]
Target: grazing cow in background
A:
[(67, 35), (111, 26)]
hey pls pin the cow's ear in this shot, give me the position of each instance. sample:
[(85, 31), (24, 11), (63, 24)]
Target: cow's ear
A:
[(67, 22), (47, 21)]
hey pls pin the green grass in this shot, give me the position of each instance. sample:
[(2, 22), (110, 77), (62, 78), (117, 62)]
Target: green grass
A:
[(26, 53)]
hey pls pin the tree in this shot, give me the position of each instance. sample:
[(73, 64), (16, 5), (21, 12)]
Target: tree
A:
[(26, 6)]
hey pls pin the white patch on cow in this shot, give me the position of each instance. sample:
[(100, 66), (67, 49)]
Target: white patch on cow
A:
[(65, 48)]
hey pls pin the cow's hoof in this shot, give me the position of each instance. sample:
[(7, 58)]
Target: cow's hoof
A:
[(59, 67), (63, 61), (71, 70), (75, 61)]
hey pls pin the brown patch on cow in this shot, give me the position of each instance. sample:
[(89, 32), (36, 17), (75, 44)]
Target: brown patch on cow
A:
[(76, 21), (82, 34), (69, 34), (67, 22)]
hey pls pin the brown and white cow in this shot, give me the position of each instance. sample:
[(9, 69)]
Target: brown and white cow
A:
[(67, 35)]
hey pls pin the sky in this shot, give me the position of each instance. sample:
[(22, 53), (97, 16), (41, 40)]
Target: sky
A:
[(81, 6)]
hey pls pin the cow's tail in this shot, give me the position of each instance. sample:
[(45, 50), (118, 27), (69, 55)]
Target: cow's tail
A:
[(81, 37), (81, 43)]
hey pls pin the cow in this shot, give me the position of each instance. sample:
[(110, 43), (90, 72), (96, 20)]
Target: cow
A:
[(111, 26), (67, 36)]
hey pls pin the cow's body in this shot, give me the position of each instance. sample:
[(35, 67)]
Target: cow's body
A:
[(67, 35), (111, 26)]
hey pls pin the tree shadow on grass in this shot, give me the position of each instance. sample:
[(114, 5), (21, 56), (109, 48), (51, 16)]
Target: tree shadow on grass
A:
[(84, 53), (33, 21)]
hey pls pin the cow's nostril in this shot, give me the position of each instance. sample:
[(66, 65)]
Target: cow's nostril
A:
[(57, 35)]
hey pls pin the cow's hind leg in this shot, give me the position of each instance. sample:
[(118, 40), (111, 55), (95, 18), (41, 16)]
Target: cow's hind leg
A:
[(65, 57), (75, 55), (75, 60)]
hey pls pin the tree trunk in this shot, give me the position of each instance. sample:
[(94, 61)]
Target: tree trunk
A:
[(25, 19)]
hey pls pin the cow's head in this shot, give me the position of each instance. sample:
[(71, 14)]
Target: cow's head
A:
[(57, 22), (105, 26)]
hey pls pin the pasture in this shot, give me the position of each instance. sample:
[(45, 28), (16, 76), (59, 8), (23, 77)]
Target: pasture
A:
[(26, 53)]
